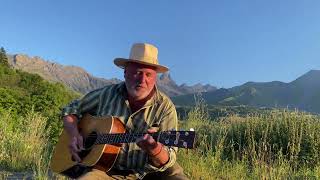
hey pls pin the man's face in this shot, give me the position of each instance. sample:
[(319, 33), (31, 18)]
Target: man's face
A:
[(140, 80)]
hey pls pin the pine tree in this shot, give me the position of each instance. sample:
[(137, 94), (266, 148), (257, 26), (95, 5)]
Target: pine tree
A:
[(3, 58)]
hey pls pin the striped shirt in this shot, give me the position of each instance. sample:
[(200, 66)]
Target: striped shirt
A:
[(158, 111)]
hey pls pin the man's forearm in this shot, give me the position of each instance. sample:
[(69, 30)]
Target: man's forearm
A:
[(160, 156), (70, 124)]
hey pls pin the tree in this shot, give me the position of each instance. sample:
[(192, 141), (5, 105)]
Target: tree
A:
[(3, 58)]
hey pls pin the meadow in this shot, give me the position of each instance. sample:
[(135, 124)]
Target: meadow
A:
[(279, 144)]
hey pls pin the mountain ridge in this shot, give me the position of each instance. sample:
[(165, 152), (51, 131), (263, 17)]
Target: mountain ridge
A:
[(78, 79), (302, 93)]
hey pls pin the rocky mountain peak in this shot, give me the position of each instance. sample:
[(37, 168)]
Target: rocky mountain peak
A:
[(72, 76), (165, 77), (79, 80)]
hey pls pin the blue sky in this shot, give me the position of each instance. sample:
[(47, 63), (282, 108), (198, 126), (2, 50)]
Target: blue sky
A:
[(223, 43)]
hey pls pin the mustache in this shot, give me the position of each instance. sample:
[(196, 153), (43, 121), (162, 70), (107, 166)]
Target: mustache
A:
[(139, 85)]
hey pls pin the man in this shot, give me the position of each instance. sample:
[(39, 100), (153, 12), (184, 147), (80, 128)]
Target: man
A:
[(142, 108)]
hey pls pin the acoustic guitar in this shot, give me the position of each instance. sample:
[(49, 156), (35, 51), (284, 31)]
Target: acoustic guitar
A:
[(103, 138)]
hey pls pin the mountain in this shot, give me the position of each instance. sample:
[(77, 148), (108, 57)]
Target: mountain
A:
[(81, 81), (74, 77), (168, 85), (302, 93)]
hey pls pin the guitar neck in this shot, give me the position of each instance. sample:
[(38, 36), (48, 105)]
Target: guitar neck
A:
[(121, 138), (184, 139)]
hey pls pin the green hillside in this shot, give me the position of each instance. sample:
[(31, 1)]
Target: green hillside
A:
[(302, 94), (21, 92)]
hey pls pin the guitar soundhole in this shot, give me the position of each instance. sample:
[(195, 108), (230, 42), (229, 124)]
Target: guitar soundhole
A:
[(87, 144), (90, 140)]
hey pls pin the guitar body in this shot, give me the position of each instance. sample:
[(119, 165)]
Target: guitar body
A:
[(100, 156)]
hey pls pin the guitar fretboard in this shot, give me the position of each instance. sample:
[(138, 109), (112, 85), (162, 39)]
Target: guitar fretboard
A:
[(183, 139), (120, 138)]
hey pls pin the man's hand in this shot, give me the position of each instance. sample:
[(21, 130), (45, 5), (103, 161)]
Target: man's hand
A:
[(158, 155), (147, 143), (75, 146), (76, 140)]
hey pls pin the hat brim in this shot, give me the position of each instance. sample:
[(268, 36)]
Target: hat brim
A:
[(122, 63)]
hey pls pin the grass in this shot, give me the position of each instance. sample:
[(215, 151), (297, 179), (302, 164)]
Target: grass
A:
[(279, 144), (24, 145)]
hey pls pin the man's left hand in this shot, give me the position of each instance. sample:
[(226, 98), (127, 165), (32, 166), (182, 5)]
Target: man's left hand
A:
[(157, 154), (148, 144)]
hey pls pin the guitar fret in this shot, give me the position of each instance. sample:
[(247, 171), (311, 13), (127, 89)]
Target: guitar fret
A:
[(123, 138), (107, 138), (120, 138), (174, 138), (116, 138), (112, 138), (129, 138), (126, 138)]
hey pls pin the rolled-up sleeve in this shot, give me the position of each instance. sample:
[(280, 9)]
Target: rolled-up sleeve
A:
[(168, 122), (87, 104)]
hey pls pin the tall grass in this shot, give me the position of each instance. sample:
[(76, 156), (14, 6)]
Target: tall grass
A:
[(24, 144), (279, 144)]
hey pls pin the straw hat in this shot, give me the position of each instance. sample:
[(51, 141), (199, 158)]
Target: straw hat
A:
[(142, 53)]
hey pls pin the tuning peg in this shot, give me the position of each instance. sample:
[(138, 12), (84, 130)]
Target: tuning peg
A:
[(191, 129), (185, 144), (166, 141)]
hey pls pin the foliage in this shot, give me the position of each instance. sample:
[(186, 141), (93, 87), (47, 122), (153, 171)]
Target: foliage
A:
[(29, 120), (23, 140), (216, 112), (21, 91), (24, 144), (3, 58)]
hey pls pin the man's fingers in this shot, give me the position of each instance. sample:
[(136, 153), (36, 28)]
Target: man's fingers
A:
[(76, 157), (80, 142), (152, 130), (75, 146), (74, 153), (146, 142)]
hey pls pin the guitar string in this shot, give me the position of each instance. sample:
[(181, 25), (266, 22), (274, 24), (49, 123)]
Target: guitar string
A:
[(119, 138), (104, 141), (106, 136), (136, 135), (163, 132), (128, 136)]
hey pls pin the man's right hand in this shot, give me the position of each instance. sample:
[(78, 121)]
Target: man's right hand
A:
[(76, 140), (75, 146)]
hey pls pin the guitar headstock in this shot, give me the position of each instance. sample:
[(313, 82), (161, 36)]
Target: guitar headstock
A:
[(182, 139)]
